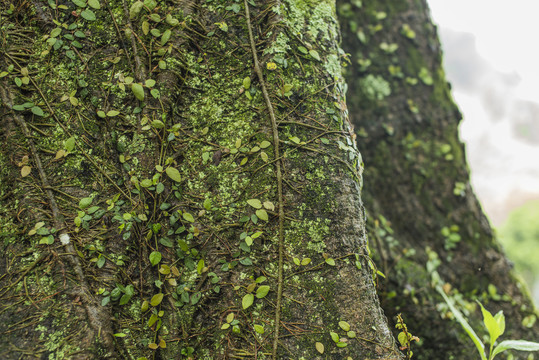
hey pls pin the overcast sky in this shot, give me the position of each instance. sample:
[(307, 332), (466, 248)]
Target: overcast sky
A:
[(492, 60)]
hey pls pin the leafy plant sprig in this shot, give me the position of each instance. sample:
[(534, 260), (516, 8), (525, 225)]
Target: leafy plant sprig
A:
[(495, 326)]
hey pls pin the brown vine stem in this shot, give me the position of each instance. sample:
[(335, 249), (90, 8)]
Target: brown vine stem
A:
[(279, 182)]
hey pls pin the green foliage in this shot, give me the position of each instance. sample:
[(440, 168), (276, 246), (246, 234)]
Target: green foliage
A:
[(519, 236), (495, 326)]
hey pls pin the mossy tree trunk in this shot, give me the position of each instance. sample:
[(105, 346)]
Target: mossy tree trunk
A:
[(166, 195), (423, 216)]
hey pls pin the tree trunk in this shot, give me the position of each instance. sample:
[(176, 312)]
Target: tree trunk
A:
[(421, 208), (166, 195)]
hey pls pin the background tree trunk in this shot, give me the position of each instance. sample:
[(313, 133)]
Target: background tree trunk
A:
[(146, 208), (420, 204)]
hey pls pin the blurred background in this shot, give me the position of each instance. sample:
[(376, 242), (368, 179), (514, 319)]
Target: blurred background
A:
[(491, 59)]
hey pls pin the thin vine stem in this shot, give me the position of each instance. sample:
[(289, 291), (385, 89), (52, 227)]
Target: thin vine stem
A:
[(279, 182)]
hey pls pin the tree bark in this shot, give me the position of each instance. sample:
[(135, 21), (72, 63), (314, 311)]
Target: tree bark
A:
[(164, 194), (421, 207)]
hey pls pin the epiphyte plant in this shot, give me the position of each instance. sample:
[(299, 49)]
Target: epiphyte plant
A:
[(495, 326)]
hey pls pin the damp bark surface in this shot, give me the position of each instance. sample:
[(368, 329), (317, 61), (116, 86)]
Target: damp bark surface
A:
[(424, 219), (179, 179)]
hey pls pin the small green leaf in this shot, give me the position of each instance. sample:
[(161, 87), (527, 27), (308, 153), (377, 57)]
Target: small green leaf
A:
[(330, 261), (152, 320), (150, 83), (188, 217), (95, 4), (156, 299), (521, 345), (56, 32), (491, 324), (112, 113), (344, 325), (172, 21), (264, 144), (85, 202), (200, 266), (351, 334), (259, 329), (403, 339), (207, 204), (125, 299), (146, 183), (305, 261), (69, 144), (135, 9), (342, 344), (225, 326), (257, 204), (262, 214), (88, 15), (256, 234), (155, 257), (303, 49), (145, 27), (247, 300), (297, 261), (174, 174), (334, 336), (79, 3), (314, 54), (319, 347), (36, 110), (158, 124), (247, 83), (230, 317), (165, 37), (138, 90), (262, 291), (249, 240)]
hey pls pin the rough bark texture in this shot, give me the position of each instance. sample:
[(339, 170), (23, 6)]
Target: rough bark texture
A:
[(139, 196), (423, 215)]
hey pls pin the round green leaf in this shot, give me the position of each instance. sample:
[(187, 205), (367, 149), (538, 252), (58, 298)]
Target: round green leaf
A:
[(319, 347), (174, 174), (344, 325), (188, 217), (156, 299), (85, 202), (155, 257), (138, 90), (247, 301), (165, 37), (95, 4), (259, 329), (36, 110), (262, 214), (262, 291), (88, 15), (264, 144), (257, 204)]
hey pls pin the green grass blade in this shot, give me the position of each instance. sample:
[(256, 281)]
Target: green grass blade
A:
[(521, 345), (471, 333)]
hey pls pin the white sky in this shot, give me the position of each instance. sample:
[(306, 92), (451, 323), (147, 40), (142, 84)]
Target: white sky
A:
[(506, 36)]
